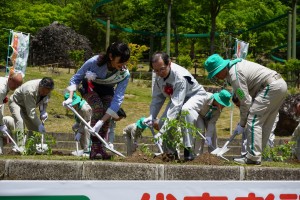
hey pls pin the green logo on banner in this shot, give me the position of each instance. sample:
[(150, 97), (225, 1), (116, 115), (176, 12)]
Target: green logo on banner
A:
[(240, 93), (63, 197)]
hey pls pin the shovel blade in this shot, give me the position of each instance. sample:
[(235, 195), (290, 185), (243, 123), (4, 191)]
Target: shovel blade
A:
[(114, 151), (223, 150), (77, 153), (216, 151)]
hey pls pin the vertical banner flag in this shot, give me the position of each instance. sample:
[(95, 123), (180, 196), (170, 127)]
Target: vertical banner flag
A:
[(19, 43), (241, 49)]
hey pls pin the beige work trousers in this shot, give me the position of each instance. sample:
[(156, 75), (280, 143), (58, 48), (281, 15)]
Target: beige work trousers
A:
[(262, 115)]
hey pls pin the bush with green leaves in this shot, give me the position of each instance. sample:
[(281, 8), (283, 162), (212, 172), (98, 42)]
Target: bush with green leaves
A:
[(145, 149), (34, 139), (279, 153), (184, 61), (174, 134)]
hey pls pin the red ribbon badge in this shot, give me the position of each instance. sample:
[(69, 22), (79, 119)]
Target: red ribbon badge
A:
[(168, 89), (5, 100), (90, 86)]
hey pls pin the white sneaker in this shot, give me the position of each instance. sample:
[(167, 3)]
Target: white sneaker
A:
[(246, 161)]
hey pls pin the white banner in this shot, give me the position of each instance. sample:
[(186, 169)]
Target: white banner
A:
[(149, 190), (20, 50), (241, 49)]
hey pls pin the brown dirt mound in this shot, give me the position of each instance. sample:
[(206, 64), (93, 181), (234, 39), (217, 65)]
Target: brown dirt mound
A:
[(140, 157)]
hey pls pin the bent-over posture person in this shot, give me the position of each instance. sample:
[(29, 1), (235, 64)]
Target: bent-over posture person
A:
[(24, 101), (260, 90)]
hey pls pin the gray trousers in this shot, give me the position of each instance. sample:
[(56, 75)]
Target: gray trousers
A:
[(261, 118), (21, 119), (202, 125), (192, 106), (10, 124)]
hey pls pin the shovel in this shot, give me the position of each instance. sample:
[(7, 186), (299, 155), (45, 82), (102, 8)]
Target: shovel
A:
[(93, 132), (41, 148), (224, 149), (77, 152), (19, 149), (216, 150), (156, 142)]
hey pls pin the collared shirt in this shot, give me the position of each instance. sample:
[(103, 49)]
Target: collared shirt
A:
[(246, 79), (101, 72), (179, 86)]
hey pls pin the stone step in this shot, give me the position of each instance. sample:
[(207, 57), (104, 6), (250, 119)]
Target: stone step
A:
[(149, 140), (65, 143)]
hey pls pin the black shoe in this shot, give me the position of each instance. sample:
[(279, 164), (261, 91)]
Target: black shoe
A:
[(188, 154)]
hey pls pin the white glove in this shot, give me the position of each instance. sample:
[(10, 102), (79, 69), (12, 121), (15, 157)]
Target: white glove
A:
[(208, 141), (42, 128), (77, 136), (4, 129), (75, 127), (158, 139), (67, 102), (238, 130), (148, 121), (44, 115), (98, 125)]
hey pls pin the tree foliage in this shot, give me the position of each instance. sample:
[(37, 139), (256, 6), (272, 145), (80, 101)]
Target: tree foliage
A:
[(226, 18)]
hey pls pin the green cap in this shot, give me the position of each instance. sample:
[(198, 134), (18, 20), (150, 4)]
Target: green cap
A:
[(214, 64), (223, 98), (140, 123), (75, 100)]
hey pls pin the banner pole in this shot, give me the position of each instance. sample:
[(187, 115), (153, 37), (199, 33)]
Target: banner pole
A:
[(7, 56)]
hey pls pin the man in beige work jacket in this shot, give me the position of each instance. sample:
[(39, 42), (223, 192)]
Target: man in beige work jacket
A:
[(10, 83), (261, 92), (26, 99)]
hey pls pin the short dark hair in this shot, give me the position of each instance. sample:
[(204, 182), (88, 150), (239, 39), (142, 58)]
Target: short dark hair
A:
[(121, 113), (157, 55), (47, 82)]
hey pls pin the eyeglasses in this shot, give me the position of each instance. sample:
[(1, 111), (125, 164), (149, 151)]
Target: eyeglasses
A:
[(162, 69)]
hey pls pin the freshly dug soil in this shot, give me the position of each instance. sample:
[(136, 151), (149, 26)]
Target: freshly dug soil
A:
[(140, 157)]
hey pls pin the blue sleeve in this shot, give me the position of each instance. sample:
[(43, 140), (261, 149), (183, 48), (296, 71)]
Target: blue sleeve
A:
[(89, 65), (119, 94)]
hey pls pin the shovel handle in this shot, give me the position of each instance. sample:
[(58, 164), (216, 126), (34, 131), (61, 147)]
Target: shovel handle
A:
[(158, 145), (96, 134), (201, 135), (8, 135), (232, 136)]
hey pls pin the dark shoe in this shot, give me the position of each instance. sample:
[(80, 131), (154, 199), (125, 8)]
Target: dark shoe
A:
[(188, 154), (246, 161), (97, 152)]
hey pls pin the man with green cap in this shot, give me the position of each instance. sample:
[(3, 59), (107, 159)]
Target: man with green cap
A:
[(82, 135), (131, 133), (208, 116), (260, 90)]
